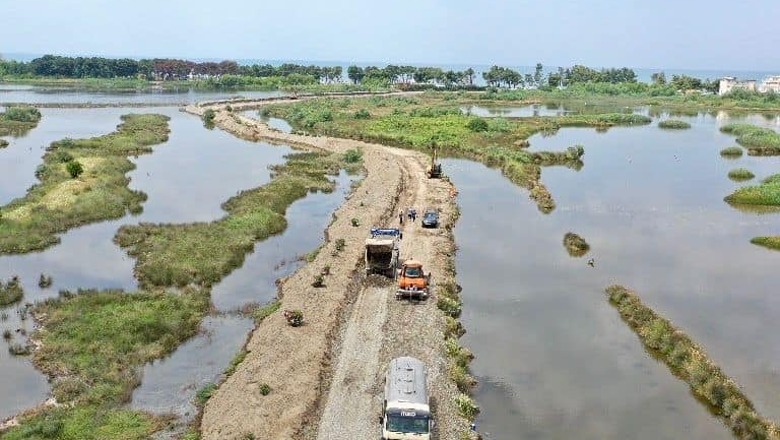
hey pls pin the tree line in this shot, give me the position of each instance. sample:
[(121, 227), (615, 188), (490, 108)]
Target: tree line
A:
[(175, 69)]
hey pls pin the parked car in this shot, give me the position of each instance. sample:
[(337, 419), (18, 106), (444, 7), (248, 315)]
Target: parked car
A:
[(430, 218)]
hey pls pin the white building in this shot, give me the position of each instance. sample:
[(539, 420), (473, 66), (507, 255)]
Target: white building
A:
[(730, 83), (770, 84)]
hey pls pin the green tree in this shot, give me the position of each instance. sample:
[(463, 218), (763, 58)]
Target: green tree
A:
[(658, 78), (538, 74), (74, 168)]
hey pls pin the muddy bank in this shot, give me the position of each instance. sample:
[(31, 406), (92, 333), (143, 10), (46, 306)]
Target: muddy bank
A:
[(298, 363)]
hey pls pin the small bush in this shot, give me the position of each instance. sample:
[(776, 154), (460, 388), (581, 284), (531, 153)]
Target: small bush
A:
[(451, 307), (265, 389), (209, 115), (7, 335), (731, 152), (229, 108), (3, 143), (45, 281), (355, 222), (466, 406), (205, 393), (674, 124), (74, 168), (340, 244), (477, 125), (319, 281), (19, 349), (353, 156), (740, 174), (575, 245), (62, 156), (11, 291), (362, 114)]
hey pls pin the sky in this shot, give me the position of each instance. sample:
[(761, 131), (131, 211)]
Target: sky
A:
[(692, 34)]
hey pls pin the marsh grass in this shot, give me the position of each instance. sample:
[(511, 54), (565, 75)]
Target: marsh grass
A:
[(265, 311), (767, 242), (759, 141), (17, 121), (575, 245), (59, 202), (420, 123), (203, 253), (235, 362), (204, 393), (741, 174), (674, 124), (766, 193), (731, 152), (689, 362), (11, 291)]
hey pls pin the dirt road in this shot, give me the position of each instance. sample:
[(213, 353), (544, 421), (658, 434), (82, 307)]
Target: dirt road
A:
[(326, 377)]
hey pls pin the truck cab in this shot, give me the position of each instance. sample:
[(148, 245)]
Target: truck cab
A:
[(406, 412), (413, 282)]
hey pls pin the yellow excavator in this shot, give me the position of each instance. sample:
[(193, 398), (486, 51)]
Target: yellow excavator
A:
[(434, 169)]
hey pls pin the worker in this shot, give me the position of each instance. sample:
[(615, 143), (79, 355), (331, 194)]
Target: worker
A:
[(401, 216)]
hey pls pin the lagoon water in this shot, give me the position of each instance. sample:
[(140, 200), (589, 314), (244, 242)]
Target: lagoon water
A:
[(553, 358)]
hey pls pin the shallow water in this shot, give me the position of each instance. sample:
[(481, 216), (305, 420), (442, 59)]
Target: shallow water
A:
[(553, 357), (279, 124), (210, 167), (10, 93), (169, 385)]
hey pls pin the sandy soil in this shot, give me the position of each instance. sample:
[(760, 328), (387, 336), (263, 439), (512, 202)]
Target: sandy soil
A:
[(326, 376)]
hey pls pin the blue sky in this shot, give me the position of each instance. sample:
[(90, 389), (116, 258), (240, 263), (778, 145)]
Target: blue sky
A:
[(694, 34)]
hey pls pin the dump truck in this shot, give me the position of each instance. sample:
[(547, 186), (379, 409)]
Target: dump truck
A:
[(413, 282), (406, 412), (382, 250)]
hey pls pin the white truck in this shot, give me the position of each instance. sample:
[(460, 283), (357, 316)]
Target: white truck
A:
[(407, 415)]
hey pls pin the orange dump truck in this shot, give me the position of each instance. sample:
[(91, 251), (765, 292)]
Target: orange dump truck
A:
[(413, 282)]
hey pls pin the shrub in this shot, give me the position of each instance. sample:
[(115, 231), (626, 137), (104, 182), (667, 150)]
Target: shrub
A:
[(451, 307), (477, 125), (45, 281), (674, 124), (319, 281), (731, 152), (466, 406), (353, 156), (205, 393), (209, 115), (74, 168), (355, 222), (740, 174), (11, 291), (340, 244), (19, 349), (362, 114), (265, 389), (575, 245), (7, 334)]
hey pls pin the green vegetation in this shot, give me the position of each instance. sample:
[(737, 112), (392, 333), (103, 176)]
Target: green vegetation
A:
[(731, 152), (433, 120), (265, 311), (758, 141), (235, 362), (767, 193), (3, 143), (767, 242), (205, 393), (741, 174), (690, 363), (17, 121), (100, 191), (202, 253), (265, 389), (575, 245), (673, 124), (93, 346), (74, 168), (11, 291), (466, 406)]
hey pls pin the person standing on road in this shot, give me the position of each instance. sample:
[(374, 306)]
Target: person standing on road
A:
[(413, 214), (401, 216)]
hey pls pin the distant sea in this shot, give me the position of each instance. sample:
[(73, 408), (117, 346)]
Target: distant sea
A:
[(643, 74)]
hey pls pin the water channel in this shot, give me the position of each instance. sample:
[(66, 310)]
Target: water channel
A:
[(186, 178)]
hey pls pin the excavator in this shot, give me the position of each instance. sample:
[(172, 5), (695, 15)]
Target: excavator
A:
[(434, 169)]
